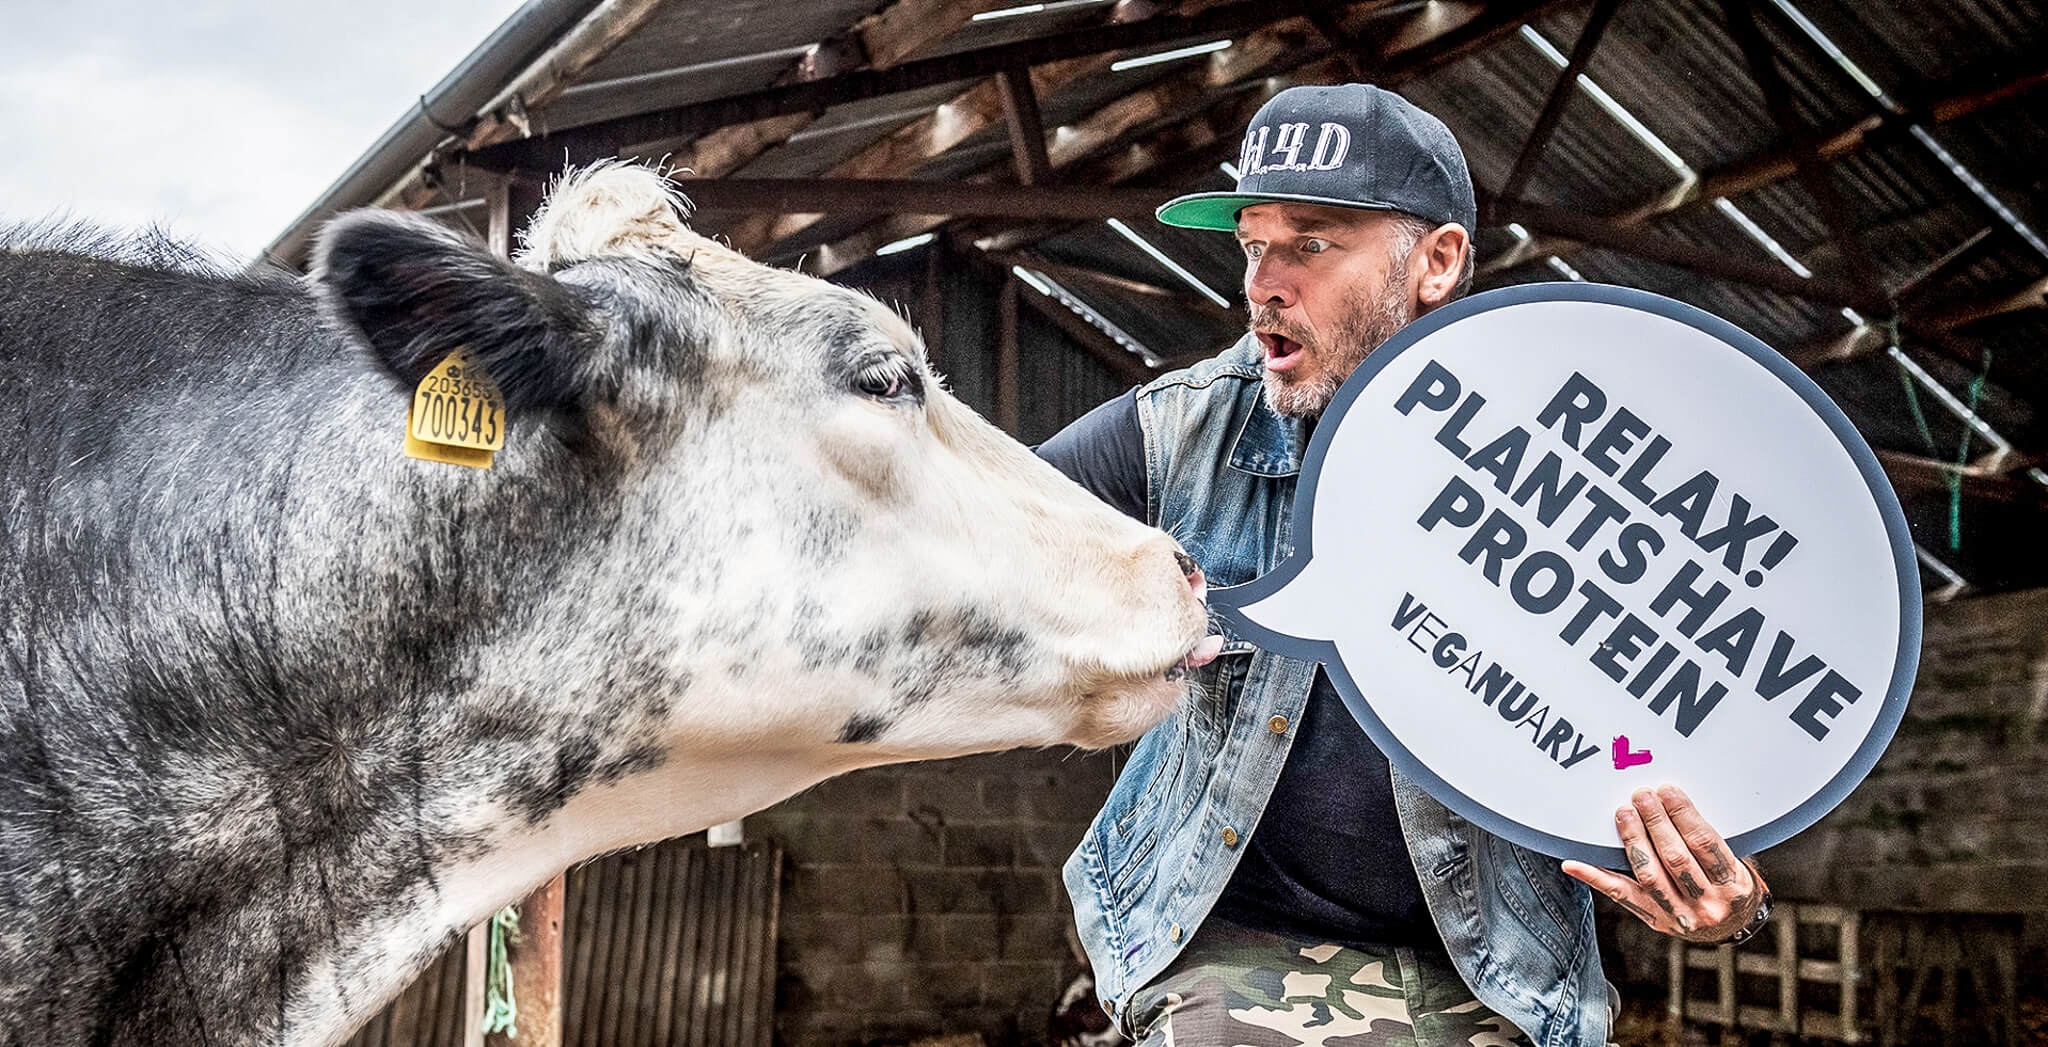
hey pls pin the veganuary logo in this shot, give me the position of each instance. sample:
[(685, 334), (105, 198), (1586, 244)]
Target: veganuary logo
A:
[(1333, 141)]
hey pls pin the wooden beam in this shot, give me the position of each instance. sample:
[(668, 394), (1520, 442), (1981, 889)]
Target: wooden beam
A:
[(605, 138), (1781, 160), (909, 147), (509, 115), (536, 968), (1561, 93), (883, 40), (1418, 54), (1027, 129), (2031, 295), (1615, 236), (979, 107), (1741, 16), (1007, 412), (1953, 261), (728, 149), (908, 28), (1212, 132), (1917, 473), (1184, 301), (1125, 364), (887, 196)]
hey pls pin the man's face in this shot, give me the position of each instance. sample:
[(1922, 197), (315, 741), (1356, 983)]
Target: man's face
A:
[(1325, 288)]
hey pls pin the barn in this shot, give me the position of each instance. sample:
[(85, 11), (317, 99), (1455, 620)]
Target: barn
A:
[(1856, 183)]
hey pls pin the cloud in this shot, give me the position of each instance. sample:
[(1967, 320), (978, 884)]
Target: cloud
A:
[(221, 122)]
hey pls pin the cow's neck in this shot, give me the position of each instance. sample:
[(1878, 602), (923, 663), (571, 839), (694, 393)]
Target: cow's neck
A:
[(337, 990)]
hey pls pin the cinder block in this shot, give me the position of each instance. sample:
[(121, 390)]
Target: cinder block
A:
[(855, 889), (903, 843), (980, 846), (1048, 846)]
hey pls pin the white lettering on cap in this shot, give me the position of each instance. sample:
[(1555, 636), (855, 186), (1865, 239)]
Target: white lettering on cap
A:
[(1288, 141), (1333, 144), (1254, 144)]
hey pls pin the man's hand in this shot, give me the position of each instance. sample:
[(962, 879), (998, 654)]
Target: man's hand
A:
[(1687, 883)]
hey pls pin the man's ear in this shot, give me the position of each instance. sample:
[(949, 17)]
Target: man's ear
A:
[(415, 292), (1441, 253)]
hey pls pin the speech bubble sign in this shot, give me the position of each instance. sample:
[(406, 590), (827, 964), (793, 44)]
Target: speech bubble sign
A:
[(1558, 542)]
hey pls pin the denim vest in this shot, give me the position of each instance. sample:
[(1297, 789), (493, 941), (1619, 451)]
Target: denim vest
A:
[(1220, 472)]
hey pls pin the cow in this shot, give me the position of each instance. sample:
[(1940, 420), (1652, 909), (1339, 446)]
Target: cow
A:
[(284, 710)]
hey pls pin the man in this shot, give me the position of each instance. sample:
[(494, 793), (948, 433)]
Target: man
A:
[(1259, 874)]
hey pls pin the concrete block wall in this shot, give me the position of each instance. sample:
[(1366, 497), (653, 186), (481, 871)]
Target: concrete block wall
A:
[(926, 899), (1955, 815)]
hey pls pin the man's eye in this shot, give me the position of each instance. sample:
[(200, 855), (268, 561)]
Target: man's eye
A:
[(1253, 251), (1312, 245)]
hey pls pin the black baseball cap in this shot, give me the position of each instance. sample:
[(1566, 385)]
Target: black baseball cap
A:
[(1353, 145)]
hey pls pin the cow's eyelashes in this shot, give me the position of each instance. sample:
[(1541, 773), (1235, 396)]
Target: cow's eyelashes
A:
[(891, 379)]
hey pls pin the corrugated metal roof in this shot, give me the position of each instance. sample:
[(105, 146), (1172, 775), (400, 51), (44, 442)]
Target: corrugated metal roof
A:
[(1676, 100)]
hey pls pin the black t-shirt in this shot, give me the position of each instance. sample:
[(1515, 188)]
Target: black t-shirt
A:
[(1327, 860)]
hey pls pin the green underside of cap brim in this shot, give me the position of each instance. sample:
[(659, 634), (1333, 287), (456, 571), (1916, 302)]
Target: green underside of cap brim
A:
[(1219, 210)]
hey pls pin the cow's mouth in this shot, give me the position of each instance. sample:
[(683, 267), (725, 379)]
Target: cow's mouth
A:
[(1202, 654)]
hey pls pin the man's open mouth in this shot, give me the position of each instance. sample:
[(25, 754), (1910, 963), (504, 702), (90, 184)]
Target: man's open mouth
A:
[(1281, 351)]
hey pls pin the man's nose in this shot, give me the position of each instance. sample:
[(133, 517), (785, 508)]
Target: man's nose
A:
[(1263, 283)]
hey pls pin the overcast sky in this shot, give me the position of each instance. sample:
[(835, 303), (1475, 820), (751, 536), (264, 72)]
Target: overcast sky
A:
[(220, 120)]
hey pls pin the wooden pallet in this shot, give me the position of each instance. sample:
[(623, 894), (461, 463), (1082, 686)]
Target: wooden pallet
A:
[(1775, 955), (1928, 977)]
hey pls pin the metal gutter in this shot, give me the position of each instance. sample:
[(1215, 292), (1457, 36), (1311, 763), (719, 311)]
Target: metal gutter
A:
[(507, 52)]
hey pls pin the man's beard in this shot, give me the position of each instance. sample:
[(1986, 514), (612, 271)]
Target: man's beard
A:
[(1366, 324)]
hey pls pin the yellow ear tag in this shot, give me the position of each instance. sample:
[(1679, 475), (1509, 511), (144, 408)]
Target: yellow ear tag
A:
[(457, 415)]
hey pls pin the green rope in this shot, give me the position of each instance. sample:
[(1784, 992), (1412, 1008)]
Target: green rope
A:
[(1955, 479), (501, 1012), (1955, 476)]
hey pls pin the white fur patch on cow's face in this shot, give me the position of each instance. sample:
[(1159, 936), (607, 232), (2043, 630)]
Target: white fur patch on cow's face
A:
[(903, 576)]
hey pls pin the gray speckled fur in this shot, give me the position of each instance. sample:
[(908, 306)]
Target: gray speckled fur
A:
[(254, 664)]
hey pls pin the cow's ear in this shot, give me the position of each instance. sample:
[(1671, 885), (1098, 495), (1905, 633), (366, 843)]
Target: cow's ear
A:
[(415, 292)]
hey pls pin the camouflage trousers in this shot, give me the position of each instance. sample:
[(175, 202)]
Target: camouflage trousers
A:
[(1239, 987)]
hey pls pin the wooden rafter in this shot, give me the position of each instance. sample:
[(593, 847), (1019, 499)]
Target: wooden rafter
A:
[(1027, 128), (1561, 93), (1074, 274), (605, 138), (1418, 53), (1781, 160), (884, 40), (984, 104), (1568, 224), (1819, 182), (782, 196), (1953, 261)]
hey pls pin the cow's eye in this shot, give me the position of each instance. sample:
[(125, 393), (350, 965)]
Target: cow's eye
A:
[(883, 381)]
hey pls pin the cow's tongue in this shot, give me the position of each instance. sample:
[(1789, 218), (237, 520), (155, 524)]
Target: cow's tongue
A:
[(1204, 652)]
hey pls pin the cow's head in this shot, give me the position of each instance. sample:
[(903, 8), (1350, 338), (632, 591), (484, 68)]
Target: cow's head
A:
[(806, 543)]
